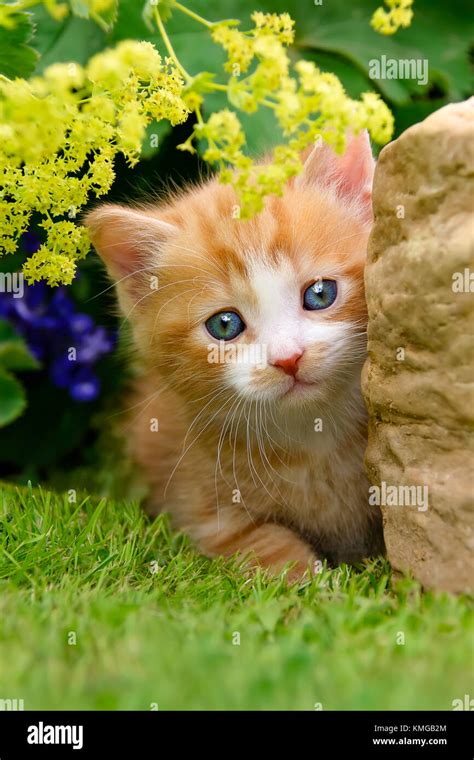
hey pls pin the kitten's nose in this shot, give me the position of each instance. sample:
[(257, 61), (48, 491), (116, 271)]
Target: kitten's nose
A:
[(289, 364)]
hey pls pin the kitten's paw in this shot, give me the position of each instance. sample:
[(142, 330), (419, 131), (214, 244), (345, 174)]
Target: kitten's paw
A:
[(273, 547)]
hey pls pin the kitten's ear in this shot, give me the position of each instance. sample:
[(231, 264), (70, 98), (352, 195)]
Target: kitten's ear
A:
[(128, 241), (350, 175)]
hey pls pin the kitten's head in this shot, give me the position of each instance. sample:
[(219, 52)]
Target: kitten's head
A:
[(272, 308)]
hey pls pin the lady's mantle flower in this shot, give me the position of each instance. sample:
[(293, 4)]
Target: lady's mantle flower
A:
[(389, 22)]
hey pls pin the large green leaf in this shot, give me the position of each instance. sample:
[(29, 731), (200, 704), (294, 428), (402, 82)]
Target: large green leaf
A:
[(17, 57), (72, 40), (12, 398), (437, 34)]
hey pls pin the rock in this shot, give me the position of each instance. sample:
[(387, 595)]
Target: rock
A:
[(418, 381)]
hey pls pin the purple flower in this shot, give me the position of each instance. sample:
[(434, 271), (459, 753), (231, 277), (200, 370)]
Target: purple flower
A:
[(85, 386), (67, 341)]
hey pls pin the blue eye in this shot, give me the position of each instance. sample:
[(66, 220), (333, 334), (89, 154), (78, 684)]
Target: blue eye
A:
[(225, 325), (320, 295)]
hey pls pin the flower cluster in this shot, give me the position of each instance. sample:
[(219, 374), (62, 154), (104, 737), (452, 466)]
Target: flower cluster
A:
[(60, 337), (306, 102), (59, 134), (399, 15)]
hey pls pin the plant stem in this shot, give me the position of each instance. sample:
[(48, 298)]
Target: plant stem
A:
[(199, 118), (187, 77), (99, 21), (225, 88), (194, 15)]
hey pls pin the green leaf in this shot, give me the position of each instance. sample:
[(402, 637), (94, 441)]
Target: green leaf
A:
[(164, 7), (7, 331), (80, 8), (12, 398), (155, 134), (14, 353), (202, 82), (72, 40), (105, 19), (17, 58), (439, 37)]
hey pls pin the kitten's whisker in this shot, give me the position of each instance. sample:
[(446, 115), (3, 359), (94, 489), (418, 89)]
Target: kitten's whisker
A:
[(117, 282), (170, 300), (261, 447), (242, 403), (219, 448), (240, 407), (201, 412), (272, 440), (127, 317), (192, 443), (249, 449)]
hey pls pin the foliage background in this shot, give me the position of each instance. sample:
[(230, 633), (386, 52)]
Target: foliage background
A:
[(336, 35)]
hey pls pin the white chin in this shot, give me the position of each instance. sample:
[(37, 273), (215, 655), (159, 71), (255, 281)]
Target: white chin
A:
[(300, 390)]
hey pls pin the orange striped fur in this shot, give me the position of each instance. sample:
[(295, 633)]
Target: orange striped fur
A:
[(239, 458)]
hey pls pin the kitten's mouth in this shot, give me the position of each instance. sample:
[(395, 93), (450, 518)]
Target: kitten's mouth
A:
[(298, 387)]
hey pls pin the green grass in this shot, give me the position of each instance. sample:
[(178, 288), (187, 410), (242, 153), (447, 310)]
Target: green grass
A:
[(167, 637)]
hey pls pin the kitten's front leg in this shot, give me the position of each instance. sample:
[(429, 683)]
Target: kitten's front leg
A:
[(269, 545)]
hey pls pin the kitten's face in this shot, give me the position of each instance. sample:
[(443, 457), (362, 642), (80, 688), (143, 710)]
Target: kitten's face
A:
[(270, 309)]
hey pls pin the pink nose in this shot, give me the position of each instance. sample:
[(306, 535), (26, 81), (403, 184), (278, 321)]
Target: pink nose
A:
[(290, 364)]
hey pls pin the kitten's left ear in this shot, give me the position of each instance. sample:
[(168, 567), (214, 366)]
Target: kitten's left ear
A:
[(350, 175)]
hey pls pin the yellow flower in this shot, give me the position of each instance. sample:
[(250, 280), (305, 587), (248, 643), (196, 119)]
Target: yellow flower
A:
[(57, 10), (55, 268), (279, 25), (64, 76), (131, 131), (238, 46), (59, 134), (389, 22)]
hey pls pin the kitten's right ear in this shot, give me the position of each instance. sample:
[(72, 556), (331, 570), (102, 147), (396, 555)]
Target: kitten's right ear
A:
[(350, 175), (129, 242)]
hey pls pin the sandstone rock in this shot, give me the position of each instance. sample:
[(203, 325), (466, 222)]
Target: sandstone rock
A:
[(419, 378)]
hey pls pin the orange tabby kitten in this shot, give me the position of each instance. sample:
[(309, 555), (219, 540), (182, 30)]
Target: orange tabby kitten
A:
[(248, 421)]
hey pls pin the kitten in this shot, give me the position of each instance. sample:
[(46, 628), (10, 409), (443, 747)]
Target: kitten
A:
[(252, 337)]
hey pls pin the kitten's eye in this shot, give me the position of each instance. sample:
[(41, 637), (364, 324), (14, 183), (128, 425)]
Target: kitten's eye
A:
[(320, 295), (225, 325)]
